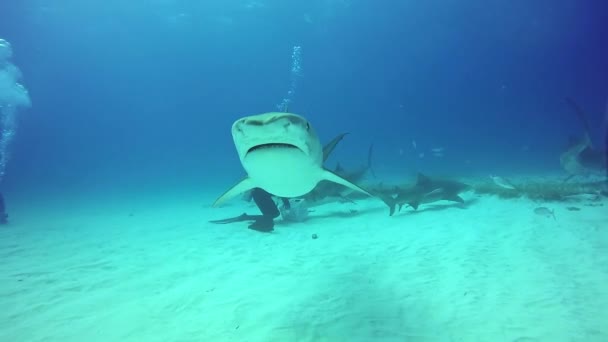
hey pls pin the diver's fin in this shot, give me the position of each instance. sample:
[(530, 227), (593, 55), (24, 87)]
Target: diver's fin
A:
[(240, 187), (240, 218), (263, 224), (260, 223), (332, 177)]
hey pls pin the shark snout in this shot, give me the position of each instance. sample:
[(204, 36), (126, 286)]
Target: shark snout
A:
[(258, 120), (276, 124)]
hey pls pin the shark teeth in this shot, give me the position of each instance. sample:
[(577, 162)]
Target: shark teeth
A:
[(271, 145)]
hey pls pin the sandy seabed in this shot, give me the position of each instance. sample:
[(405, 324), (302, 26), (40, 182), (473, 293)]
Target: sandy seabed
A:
[(150, 268)]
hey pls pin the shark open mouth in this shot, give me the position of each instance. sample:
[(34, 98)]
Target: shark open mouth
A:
[(271, 145)]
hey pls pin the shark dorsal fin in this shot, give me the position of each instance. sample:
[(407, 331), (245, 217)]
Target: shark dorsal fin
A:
[(422, 180), (327, 149)]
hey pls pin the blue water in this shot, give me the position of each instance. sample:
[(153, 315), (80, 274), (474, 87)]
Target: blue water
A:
[(138, 98), (125, 91)]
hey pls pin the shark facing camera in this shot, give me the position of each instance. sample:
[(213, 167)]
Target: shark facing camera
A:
[(281, 154), (272, 145)]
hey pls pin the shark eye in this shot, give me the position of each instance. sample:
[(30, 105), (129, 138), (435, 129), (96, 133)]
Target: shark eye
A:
[(308, 126)]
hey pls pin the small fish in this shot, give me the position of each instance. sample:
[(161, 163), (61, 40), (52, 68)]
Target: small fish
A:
[(503, 183), (544, 211), (414, 145), (437, 150)]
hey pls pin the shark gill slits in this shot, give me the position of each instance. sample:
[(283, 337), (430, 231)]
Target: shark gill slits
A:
[(271, 145)]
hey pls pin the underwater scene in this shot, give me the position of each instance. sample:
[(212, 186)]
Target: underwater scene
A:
[(319, 170)]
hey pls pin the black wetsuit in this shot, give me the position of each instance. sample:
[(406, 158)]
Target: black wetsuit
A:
[(268, 208)]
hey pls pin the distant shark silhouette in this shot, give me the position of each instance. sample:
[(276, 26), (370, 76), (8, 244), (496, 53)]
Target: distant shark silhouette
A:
[(582, 157), (426, 190)]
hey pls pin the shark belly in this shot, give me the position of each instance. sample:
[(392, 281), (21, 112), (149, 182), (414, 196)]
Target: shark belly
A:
[(282, 172)]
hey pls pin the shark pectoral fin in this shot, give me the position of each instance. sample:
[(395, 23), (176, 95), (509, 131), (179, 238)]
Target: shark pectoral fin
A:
[(454, 198), (240, 187), (434, 192), (332, 177)]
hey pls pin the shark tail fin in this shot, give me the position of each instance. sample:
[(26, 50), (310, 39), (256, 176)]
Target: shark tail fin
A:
[(390, 202), (582, 116)]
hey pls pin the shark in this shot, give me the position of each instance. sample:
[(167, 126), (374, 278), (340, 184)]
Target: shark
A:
[(329, 190), (268, 207), (425, 190), (582, 157), (282, 155)]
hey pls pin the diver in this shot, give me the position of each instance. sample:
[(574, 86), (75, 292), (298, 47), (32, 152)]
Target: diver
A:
[(268, 208)]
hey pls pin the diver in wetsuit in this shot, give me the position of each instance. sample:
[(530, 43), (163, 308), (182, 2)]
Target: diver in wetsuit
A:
[(268, 208)]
